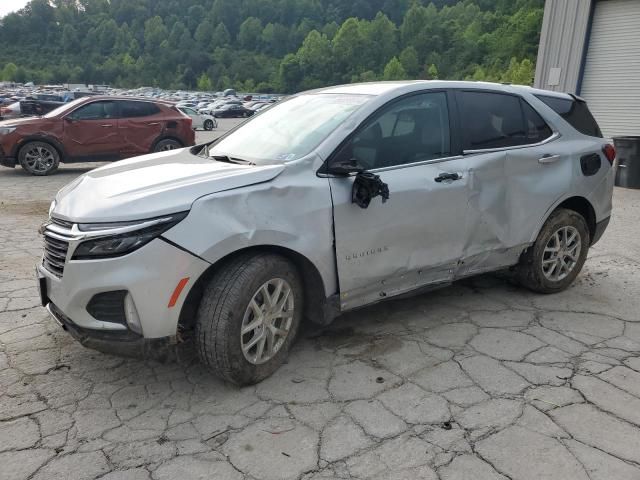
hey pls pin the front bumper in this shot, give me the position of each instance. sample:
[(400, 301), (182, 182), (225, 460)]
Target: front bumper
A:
[(123, 343), (149, 275), (6, 161)]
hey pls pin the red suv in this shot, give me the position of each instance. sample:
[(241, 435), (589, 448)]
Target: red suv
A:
[(93, 129)]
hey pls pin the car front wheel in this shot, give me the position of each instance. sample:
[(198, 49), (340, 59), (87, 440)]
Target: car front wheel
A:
[(39, 158), (556, 258), (249, 317), (208, 125)]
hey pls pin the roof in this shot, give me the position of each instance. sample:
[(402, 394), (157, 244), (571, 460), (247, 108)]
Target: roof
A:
[(381, 88), (121, 97)]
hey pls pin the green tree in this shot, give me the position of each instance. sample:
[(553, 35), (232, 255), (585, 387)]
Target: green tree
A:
[(409, 60), (189, 77), (394, 70), (520, 73), (204, 34), (204, 83), (279, 45), (69, 38), (250, 33), (221, 36), (10, 72), (431, 72), (155, 32), (290, 74), (314, 58)]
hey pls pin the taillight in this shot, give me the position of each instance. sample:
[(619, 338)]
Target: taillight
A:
[(609, 152)]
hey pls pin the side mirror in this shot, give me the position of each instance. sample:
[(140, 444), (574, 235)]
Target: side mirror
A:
[(345, 167)]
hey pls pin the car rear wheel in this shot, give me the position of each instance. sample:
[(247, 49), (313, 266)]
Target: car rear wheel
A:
[(249, 317), (39, 158), (167, 144), (208, 125), (558, 254)]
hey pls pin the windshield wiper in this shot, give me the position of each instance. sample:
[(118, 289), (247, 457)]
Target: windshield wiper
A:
[(228, 159)]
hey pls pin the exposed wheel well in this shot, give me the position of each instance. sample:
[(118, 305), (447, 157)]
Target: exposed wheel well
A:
[(582, 206), (314, 292)]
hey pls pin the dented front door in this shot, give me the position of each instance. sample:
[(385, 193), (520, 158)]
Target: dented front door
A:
[(413, 239)]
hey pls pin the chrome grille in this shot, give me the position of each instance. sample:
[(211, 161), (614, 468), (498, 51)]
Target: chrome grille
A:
[(56, 245)]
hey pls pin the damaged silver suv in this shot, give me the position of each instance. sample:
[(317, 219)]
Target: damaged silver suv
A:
[(329, 201)]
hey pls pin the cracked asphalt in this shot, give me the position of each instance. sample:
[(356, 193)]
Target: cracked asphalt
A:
[(482, 380)]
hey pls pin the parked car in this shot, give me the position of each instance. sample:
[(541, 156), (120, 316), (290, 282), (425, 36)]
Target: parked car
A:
[(232, 111), (200, 120), (93, 129), (10, 111), (328, 201), (218, 104)]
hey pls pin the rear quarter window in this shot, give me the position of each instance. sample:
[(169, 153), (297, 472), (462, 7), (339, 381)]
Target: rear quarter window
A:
[(575, 112), (131, 109), (497, 120)]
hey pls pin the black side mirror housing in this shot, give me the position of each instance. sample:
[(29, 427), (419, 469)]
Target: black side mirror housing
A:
[(345, 167)]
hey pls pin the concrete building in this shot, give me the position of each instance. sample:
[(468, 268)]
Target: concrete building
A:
[(592, 48)]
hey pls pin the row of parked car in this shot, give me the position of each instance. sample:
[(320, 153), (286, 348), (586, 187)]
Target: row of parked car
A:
[(39, 129)]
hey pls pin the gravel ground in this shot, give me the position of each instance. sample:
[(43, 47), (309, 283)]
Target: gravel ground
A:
[(481, 380)]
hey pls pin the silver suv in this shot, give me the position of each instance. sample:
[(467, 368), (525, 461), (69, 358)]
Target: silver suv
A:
[(329, 201)]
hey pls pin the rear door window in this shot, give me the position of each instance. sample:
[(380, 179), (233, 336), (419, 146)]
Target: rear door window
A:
[(496, 120), (132, 109), (575, 112)]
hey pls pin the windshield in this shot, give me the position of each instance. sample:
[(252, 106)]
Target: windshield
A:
[(64, 108), (288, 130)]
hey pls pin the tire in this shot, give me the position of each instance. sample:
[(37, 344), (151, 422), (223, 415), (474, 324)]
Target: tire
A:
[(208, 125), (39, 158), (226, 306), (541, 268), (166, 144)]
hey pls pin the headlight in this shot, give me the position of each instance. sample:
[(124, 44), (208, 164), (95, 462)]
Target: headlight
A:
[(6, 130), (125, 238)]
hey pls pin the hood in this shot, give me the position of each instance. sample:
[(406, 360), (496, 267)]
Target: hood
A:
[(16, 122), (152, 185)]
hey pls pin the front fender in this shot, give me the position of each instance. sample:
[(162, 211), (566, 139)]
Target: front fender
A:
[(292, 211), (40, 137)]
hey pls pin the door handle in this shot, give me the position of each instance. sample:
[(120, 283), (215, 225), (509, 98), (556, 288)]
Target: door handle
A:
[(548, 159), (106, 125), (153, 124), (443, 177)]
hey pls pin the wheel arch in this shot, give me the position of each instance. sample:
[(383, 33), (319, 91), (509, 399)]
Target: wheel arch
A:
[(40, 138), (315, 309), (579, 205)]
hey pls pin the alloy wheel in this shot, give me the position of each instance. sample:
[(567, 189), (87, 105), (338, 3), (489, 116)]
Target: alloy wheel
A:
[(39, 159), (267, 321), (561, 254)]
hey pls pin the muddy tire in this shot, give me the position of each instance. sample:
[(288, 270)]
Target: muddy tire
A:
[(166, 144), (39, 158), (248, 317), (554, 261)]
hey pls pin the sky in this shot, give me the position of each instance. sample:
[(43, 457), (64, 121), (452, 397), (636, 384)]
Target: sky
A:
[(8, 6)]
